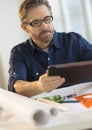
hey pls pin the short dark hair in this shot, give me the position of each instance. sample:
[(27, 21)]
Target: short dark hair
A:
[(30, 4)]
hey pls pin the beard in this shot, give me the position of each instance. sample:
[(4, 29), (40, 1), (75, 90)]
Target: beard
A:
[(45, 36)]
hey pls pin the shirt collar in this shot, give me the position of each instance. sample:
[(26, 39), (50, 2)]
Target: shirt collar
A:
[(33, 46), (55, 40), (31, 43)]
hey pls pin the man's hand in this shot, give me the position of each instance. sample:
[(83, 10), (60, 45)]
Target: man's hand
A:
[(49, 83)]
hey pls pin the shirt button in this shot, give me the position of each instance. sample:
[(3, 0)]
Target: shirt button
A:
[(37, 73), (14, 73), (48, 58)]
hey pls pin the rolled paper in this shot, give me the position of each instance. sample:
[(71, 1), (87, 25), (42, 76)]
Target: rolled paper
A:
[(30, 110)]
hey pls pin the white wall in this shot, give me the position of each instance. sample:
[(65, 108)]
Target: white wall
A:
[(12, 34)]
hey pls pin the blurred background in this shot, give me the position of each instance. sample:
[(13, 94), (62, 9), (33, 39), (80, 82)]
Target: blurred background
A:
[(69, 15)]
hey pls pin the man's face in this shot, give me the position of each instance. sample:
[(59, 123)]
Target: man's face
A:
[(43, 33)]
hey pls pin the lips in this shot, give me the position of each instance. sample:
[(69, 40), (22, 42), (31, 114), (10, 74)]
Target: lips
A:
[(46, 34)]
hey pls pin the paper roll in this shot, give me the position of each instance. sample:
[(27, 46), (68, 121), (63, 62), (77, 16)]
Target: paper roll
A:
[(28, 109)]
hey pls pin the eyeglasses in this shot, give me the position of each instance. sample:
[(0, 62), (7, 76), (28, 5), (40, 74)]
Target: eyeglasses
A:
[(38, 22)]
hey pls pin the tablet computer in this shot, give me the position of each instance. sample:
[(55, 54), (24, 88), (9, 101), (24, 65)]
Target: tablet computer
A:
[(74, 73)]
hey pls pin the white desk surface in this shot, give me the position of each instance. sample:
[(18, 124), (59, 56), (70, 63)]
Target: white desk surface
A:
[(78, 117)]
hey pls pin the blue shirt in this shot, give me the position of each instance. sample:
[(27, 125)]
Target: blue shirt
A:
[(28, 61)]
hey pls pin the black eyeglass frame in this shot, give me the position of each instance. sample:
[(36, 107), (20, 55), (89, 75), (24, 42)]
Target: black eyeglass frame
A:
[(45, 20)]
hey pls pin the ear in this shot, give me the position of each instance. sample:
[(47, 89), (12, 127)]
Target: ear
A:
[(24, 27)]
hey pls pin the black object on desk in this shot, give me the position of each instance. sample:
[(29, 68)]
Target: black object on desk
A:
[(70, 101), (74, 73)]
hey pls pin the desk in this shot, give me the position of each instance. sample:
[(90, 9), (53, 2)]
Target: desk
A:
[(77, 117)]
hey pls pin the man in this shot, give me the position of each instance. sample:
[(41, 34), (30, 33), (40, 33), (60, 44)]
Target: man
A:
[(29, 60)]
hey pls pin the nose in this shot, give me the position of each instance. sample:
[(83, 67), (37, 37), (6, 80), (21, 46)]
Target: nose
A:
[(44, 25)]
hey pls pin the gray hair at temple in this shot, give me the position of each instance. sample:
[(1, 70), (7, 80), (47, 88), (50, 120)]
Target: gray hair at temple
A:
[(28, 5)]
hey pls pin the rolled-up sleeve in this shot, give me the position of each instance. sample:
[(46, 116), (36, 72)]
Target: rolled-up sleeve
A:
[(17, 69)]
